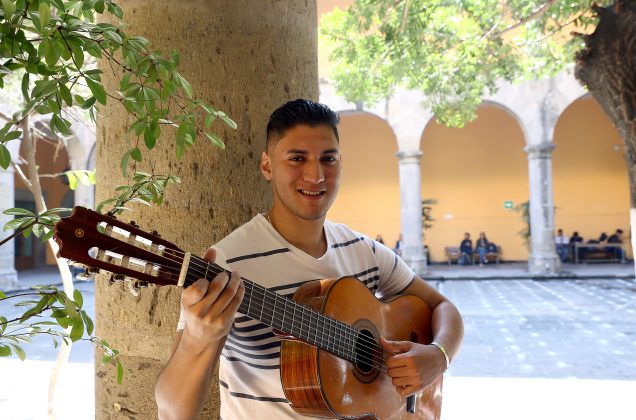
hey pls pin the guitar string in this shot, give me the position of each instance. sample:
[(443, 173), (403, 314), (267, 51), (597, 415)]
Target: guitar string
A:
[(342, 349), (369, 343), (339, 327), (366, 342)]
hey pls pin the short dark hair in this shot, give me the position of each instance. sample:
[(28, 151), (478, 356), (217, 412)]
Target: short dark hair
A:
[(297, 112), (619, 230)]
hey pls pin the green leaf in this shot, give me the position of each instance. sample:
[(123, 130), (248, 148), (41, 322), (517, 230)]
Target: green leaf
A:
[(88, 322), (72, 180), (227, 120), (216, 140), (77, 331), (97, 90), (124, 162), (17, 211), (77, 297), (65, 93), (2, 296), (19, 351), (5, 351), (25, 86), (136, 154), (9, 8), (59, 4), (120, 372), (45, 14), (5, 157), (181, 81)]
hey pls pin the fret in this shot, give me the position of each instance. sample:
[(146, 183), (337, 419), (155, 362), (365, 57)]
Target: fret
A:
[(289, 316)]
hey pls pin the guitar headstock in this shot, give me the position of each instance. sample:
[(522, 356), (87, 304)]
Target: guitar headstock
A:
[(96, 241)]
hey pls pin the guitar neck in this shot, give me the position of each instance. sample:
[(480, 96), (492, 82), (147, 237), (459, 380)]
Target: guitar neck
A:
[(284, 314)]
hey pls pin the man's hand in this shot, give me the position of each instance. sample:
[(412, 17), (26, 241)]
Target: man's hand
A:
[(209, 307), (412, 366)]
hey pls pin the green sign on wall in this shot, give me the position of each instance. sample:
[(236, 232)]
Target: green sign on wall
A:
[(507, 204)]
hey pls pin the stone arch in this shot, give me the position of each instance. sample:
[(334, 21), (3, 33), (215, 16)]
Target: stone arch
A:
[(591, 186), (476, 173), (369, 198)]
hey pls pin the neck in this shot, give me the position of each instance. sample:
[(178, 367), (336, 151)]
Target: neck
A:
[(307, 235)]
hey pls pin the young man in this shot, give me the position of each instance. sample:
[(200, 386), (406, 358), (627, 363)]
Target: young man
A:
[(281, 249), (466, 250)]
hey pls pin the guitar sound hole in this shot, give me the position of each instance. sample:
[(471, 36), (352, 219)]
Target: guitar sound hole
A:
[(366, 352)]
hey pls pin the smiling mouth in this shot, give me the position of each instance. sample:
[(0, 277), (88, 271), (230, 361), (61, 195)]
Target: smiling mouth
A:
[(311, 193)]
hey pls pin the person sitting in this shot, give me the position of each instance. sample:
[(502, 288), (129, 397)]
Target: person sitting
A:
[(562, 245), (616, 238), (398, 246), (379, 239), (465, 250), (481, 247), (573, 240)]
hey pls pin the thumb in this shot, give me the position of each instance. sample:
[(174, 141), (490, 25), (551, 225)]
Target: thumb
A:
[(210, 255), (395, 347)]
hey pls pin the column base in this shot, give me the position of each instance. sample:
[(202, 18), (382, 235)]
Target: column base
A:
[(417, 262), (544, 265), (8, 279)]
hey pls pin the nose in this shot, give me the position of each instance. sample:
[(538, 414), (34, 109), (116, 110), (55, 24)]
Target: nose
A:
[(313, 173)]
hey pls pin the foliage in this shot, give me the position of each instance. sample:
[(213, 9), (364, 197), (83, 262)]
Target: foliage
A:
[(427, 218), (52, 47), (524, 210), (453, 52), (50, 42), (63, 311)]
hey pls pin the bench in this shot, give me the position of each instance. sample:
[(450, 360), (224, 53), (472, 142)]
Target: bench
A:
[(598, 252), (453, 254), (490, 256)]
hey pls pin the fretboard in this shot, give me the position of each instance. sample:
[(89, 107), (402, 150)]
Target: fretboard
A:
[(284, 314)]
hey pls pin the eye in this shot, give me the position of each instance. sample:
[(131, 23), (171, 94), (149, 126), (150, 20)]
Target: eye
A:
[(329, 158), (297, 158)]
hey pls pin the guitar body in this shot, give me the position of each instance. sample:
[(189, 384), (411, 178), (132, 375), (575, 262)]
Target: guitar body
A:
[(319, 384)]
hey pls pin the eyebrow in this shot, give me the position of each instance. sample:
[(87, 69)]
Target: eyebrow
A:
[(304, 152)]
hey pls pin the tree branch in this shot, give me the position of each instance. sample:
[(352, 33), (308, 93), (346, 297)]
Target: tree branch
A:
[(540, 11)]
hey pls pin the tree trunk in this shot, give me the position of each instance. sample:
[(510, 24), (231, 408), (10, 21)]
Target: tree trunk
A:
[(245, 59), (607, 66), (64, 351)]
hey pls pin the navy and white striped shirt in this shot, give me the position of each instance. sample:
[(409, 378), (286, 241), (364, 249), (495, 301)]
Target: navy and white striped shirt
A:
[(249, 366)]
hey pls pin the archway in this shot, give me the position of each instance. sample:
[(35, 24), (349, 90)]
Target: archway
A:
[(591, 187), (369, 198), (477, 175)]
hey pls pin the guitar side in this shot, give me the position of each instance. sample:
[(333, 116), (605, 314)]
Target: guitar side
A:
[(317, 383)]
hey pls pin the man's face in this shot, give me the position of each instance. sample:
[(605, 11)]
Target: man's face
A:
[(304, 167)]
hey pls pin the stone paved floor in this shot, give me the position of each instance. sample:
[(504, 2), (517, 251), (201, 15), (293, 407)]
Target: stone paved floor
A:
[(546, 329), (533, 349)]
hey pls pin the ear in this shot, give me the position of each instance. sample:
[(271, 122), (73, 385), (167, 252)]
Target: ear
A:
[(266, 166)]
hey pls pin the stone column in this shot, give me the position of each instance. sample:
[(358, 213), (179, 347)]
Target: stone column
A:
[(245, 58), (8, 275), (411, 210), (543, 258)]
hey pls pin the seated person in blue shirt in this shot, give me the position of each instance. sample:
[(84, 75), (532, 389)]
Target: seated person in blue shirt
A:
[(466, 250)]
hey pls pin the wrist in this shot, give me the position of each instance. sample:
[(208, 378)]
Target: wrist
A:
[(444, 352)]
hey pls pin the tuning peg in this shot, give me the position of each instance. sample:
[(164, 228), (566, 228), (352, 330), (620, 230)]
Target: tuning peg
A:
[(134, 224), (154, 232), (116, 278)]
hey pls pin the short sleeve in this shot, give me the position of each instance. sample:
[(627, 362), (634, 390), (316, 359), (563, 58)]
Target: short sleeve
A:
[(395, 275), (220, 260)]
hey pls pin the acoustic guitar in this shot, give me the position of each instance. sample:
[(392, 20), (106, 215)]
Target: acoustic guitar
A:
[(332, 364)]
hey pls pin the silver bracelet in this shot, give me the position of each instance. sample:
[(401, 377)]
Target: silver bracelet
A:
[(444, 352)]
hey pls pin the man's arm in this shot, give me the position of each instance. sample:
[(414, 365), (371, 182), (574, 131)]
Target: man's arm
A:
[(414, 366), (209, 308)]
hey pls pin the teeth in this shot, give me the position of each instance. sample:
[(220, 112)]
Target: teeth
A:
[(311, 192)]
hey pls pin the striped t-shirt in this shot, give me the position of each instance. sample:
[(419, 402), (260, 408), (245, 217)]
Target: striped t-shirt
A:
[(249, 366)]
